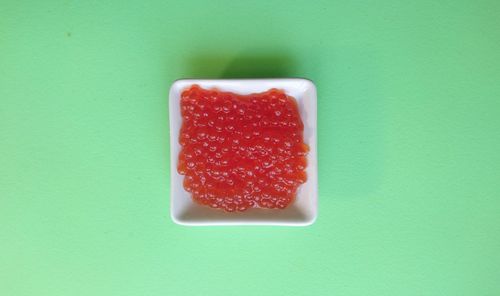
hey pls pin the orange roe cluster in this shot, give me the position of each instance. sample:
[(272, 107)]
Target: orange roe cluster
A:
[(241, 151)]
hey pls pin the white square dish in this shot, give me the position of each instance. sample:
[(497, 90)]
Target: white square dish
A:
[(303, 211)]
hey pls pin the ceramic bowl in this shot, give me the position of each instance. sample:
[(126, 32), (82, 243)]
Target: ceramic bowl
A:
[(301, 212)]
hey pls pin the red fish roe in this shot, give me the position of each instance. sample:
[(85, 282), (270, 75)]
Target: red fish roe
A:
[(241, 151)]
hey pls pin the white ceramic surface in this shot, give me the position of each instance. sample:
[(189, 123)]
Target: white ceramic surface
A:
[(301, 212)]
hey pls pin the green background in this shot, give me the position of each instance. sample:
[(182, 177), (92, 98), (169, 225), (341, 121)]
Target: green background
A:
[(409, 142)]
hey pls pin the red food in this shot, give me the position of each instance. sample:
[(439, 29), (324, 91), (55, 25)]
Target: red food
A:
[(240, 152)]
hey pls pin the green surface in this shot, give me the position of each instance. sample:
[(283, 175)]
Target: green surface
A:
[(409, 142)]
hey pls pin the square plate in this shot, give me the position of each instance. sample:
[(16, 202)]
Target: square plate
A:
[(301, 212)]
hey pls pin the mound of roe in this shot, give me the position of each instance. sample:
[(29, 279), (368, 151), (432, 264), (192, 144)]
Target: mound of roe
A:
[(241, 151)]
